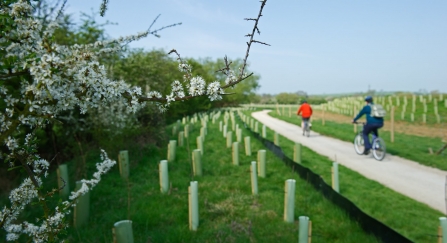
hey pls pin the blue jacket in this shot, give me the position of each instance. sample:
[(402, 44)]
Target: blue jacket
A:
[(369, 119)]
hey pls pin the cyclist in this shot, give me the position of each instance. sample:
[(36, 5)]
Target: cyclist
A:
[(372, 123), (306, 112)]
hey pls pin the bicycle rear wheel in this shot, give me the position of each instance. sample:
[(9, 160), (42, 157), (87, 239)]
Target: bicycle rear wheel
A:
[(379, 149), (305, 125), (307, 130), (359, 144)]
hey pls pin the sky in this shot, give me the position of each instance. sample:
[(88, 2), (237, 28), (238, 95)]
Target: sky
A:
[(317, 46)]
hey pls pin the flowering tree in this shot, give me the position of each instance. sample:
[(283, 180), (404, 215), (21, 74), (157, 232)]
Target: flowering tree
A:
[(39, 79)]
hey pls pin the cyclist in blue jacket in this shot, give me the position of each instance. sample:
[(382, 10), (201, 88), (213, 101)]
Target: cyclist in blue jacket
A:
[(372, 123)]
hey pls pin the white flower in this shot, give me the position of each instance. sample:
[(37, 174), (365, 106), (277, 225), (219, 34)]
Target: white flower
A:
[(12, 237), (170, 98), (197, 86), (231, 78), (183, 67), (214, 90), (11, 143)]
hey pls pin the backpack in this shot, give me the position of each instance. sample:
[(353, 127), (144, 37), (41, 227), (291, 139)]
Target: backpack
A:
[(377, 111)]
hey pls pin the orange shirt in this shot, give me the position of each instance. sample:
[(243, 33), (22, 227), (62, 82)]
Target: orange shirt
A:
[(306, 110)]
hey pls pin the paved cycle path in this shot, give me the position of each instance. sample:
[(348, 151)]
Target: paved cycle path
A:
[(422, 183)]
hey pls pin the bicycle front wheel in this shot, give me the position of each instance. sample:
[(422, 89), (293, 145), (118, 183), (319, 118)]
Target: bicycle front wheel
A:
[(359, 144), (379, 149)]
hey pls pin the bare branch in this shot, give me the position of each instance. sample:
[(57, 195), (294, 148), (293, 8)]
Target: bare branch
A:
[(154, 32), (255, 28), (153, 22), (103, 7), (61, 10), (164, 27), (255, 41), (178, 55), (227, 66)]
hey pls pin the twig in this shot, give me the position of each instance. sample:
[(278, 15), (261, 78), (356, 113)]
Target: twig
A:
[(103, 7), (255, 28), (61, 10), (162, 28), (65, 183), (153, 22)]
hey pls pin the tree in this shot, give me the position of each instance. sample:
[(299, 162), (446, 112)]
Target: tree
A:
[(40, 79), (302, 93), (287, 98)]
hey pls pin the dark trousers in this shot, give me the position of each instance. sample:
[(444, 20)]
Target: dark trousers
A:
[(367, 129)]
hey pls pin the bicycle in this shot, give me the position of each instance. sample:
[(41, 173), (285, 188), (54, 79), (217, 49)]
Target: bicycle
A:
[(306, 128), (378, 145)]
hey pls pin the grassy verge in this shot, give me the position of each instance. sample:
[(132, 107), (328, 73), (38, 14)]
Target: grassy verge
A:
[(228, 211), (406, 146), (412, 219)]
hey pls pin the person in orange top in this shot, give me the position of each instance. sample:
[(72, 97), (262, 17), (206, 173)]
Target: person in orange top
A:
[(306, 112)]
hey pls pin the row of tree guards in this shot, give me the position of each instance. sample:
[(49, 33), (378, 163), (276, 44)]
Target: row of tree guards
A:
[(257, 168), (122, 230)]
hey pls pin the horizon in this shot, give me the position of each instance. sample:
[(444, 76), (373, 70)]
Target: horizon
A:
[(376, 93)]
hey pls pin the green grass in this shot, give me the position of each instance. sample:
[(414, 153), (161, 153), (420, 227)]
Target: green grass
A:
[(228, 211), (415, 220), (406, 146)]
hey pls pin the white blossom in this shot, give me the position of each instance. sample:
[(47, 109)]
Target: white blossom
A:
[(184, 67), (11, 143), (196, 86), (231, 77), (214, 90), (170, 98)]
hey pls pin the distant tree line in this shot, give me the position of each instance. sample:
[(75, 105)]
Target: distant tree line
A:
[(288, 98)]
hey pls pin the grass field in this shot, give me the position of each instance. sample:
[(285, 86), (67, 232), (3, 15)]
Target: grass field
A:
[(228, 211)]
